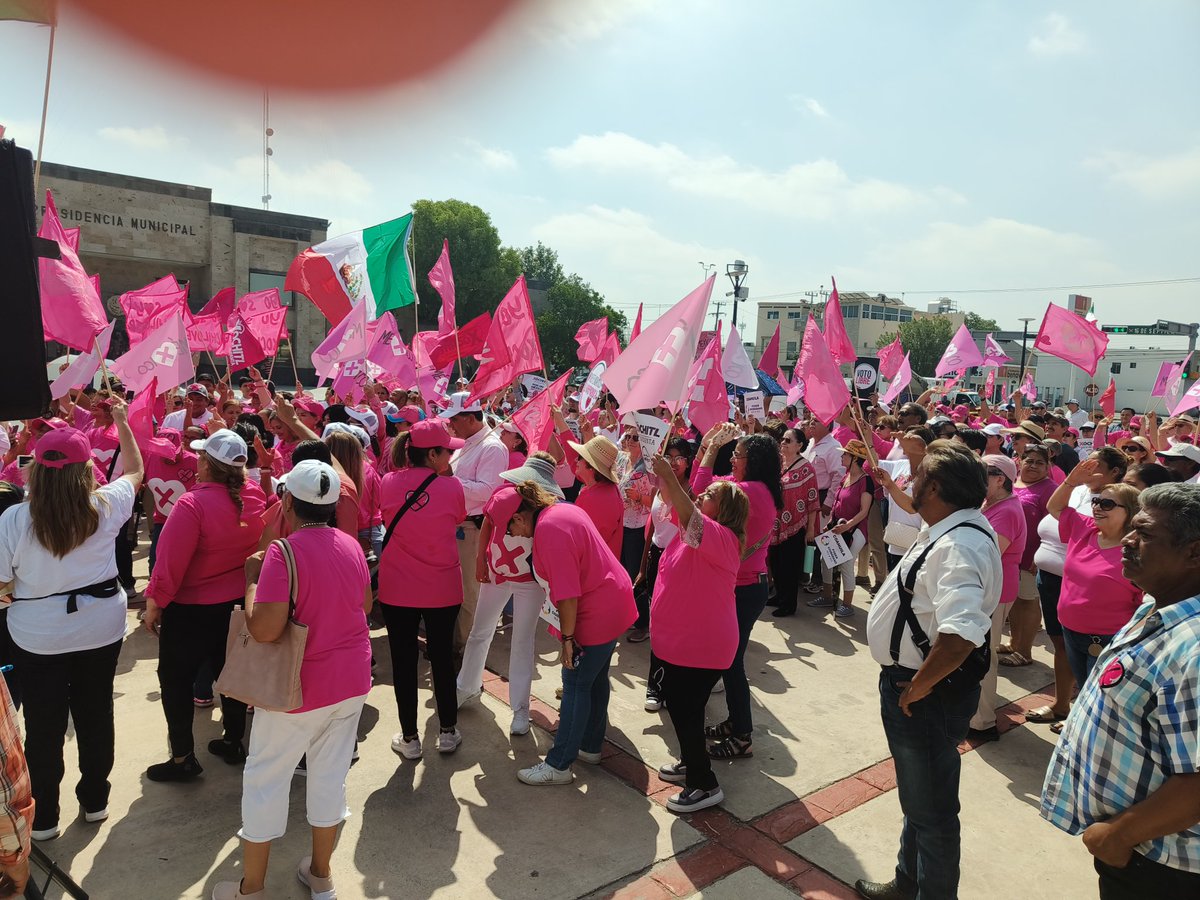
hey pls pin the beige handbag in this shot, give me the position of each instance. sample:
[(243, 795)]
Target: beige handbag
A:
[(266, 675)]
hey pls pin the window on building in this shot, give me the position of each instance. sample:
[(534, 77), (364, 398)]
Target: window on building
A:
[(850, 312), (906, 315), (877, 312), (791, 348), (1133, 365), (772, 314), (794, 314), (891, 314)]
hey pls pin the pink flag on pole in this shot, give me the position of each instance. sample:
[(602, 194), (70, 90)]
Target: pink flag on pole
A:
[(141, 413), (654, 368), (84, 367), (1071, 338), (72, 312), (259, 302), (512, 346), (735, 364), (1188, 400), (148, 307), (534, 420), (164, 355), (441, 276), (591, 337), (989, 386), (707, 401), (993, 354), (890, 358), (206, 333), (348, 381), (269, 327), (346, 340), (1028, 388), (961, 353), (952, 383), (389, 353), (637, 325), (1160, 382), (432, 384), (610, 351), (825, 393), (1174, 381), (467, 341), (244, 347), (902, 378), (222, 305), (769, 361), (841, 348), (1108, 400)]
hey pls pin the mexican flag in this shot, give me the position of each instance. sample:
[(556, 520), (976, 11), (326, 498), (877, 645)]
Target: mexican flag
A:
[(371, 265)]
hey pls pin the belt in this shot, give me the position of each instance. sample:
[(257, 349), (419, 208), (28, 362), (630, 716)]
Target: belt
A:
[(477, 521), (899, 670), (109, 588)]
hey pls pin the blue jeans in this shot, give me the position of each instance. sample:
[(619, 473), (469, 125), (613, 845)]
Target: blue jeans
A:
[(750, 600), (583, 713), (1080, 660), (925, 748)]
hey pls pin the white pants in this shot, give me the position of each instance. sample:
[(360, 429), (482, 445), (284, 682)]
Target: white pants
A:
[(277, 743), (985, 713), (855, 544), (527, 603)]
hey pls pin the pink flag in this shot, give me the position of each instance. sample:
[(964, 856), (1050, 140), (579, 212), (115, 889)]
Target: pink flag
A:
[(1067, 336), (432, 384), (259, 302), (952, 383), (1108, 400), (961, 353), (268, 327), (1171, 392), (84, 367), (989, 386), (244, 348), (590, 337), (841, 348), (1160, 382), (901, 380), (610, 351), (467, 341), (512, 346), (349, 379), (890, 358), (1187, 401), (637, 325), (825, 393), (441, 276), (1028, 388), (346, 340), (148, 307), (707, 401), (164, 355), (206, 333), (654, 368), (221, 305), (769, 361), (796, 394), (389, 353), (72, 312), (534, 419), (993, 355)]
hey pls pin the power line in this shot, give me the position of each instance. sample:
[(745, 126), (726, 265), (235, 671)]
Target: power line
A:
[(1011, 290)]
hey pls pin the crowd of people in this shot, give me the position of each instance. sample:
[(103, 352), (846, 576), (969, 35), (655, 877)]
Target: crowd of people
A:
[(436, 521)]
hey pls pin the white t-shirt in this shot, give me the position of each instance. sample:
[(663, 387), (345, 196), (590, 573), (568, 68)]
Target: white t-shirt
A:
[(1051, 554), (45, 626), (665, 528), (901, 472), (176, 419), (1077, 418)]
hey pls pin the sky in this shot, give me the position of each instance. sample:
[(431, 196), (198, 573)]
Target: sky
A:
[(918, 150)]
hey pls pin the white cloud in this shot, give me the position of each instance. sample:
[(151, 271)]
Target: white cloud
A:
[(817, 190), (581, 21), (813, 105), (1057, 38), (153, 137), (1164, 177), (492, 157)]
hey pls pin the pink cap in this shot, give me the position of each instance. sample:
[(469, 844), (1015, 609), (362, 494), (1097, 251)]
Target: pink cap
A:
[(504, 502), (431, 433), (54, 424), (62, 447), (409, 414), (309, 405), (1073, 432), (1135, 422), (1003, 463)]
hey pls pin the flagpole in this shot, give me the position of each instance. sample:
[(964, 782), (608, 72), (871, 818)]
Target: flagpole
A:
[(212, 362), (292, 356), (103, 362), (37, 169)]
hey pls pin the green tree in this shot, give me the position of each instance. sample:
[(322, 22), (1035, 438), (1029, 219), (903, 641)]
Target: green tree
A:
[(925, 340), (570, 303), (483, 271), (976, 322), (540, 265)]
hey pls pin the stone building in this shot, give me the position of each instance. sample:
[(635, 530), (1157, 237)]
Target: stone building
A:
[(135, 230)]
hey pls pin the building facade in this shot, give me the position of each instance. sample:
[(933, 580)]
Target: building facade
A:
[(135, 230)]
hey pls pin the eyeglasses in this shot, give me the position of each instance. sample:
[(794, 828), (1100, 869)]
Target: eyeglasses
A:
[(628, 437), (1103, 503), (738, 455), (1135, 449)]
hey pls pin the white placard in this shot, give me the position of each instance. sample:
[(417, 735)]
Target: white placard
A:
[(590, 392), (533, 384), (754, 405), (550, 614), (652, 434), (833, 550)]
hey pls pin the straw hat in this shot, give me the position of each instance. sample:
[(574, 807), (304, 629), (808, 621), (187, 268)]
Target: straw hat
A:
[(856, 449), (600, 453), (1028, 429)]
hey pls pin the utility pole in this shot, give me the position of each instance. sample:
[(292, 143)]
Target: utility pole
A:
[(717, 312)]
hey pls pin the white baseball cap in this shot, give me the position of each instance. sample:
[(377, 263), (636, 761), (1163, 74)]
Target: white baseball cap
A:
[(995, 429), (314, 482), (457, 403), (1180, 451), (353, 430), (366, 418), (224, 446)]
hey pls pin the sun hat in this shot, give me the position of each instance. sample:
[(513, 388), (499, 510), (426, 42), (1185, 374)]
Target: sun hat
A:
[(430, 433), (1003, 463), (224, 446), (457, 403), (1090, 426), (600, 453), (1029, 429), (314, 482), (1138, 440), (1072, 400), (856, 448), (539, 471), (62, 447)]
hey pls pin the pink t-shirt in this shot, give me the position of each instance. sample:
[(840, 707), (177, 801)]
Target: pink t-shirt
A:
[(507, 556), (1057, 475), (693, 614), (1007, 519), (167, 481), (761, 522), (419, 566), (204, 546), (368, 504), (571, 557), (105, 444), (1096, 598), (331, 578), (1033, 499), (516, 459), (604, 506)]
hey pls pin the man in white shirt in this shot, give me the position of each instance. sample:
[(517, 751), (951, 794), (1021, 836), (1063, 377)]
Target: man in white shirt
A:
[(931, 668), (825, 455), (1184, 462), (195, 403), (1076, 415), (477, 465)]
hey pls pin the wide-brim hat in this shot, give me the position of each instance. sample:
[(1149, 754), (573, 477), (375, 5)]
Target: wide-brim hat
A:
[(1029, 429), (601, 454), (539, 471)]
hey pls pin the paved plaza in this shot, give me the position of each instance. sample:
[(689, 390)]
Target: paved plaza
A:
[(814, 809)]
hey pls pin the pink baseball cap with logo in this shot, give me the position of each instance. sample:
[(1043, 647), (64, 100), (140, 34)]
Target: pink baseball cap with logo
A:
[(430, 433), (62, 447)]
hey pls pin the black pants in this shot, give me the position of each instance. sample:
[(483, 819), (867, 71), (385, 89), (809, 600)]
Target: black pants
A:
[(787, 566), (751, 599), (403, 623), (1143, 878), (8, 657), (126, 541), (686, 691), (645, 592), (79, 683), (190, 635), (633, 542)]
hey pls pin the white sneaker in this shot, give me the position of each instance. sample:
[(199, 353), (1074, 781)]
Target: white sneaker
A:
[(520, 723), (544, 773), (45, 834), (719, 687), (407, 749), (448, 741), (98, 816), (592, 759), (653, 704), (465, 697)]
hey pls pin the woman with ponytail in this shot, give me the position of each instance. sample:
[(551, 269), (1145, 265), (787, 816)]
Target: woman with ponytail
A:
[(197, 580)]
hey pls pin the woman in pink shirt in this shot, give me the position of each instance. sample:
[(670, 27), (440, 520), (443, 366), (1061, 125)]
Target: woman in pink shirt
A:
[(695, 623), (420, 579), (600, 497), (593, 597), (197, 580)]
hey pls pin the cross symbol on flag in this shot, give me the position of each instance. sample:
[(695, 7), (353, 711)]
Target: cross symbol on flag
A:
[(165, 353)]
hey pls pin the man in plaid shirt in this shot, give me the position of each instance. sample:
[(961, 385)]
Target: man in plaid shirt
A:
[(16, 802), (1126, 772)]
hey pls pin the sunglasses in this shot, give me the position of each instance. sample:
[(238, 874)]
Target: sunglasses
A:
[(1104, 503), (1135, 449)]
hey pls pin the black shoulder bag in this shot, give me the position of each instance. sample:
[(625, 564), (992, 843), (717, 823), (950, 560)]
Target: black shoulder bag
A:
[(387, 535)]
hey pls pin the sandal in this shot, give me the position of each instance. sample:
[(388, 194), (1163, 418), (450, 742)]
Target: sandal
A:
[(718, 732), (1043, 714), (733, 747), (1004, 649), (1057, 727), (1015, 660)]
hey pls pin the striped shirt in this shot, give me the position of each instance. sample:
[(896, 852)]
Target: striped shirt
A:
[(16, 798), (1135, 724)]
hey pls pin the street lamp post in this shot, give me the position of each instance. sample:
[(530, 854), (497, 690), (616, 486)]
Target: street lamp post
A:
[(707, 267), (737, 272), (1024, 345)]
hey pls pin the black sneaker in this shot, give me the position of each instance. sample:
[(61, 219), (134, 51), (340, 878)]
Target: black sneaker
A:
[(691, 800), (173, 771), (231, 751), (674, 773)]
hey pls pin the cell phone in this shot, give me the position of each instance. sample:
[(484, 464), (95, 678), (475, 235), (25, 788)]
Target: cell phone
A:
[(576, 655), (24, 459)]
